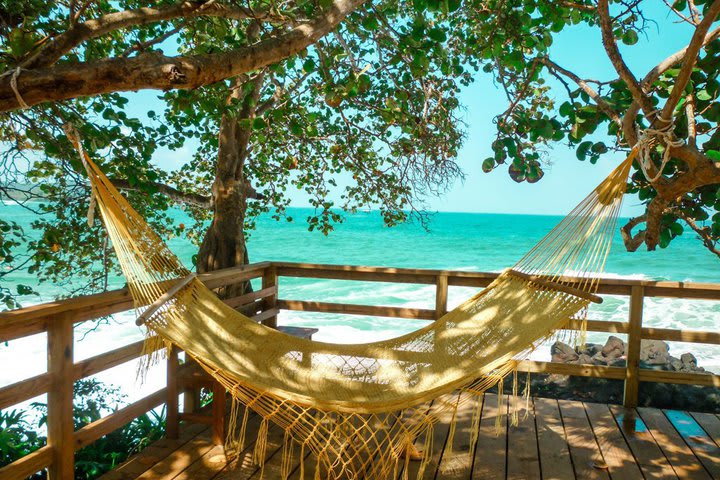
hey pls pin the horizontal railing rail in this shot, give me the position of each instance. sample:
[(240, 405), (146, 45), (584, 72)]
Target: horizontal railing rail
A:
[(57, 320)]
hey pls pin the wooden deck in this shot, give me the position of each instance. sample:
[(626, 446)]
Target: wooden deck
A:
[(558, 440)]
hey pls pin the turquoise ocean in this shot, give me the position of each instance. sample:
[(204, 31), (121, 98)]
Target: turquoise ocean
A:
[(458, 241)]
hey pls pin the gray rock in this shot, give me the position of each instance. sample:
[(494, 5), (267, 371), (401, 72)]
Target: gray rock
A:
[(585, 359), (614, 347), (600, 359), (674, 364), (654, 352), (688, 360), (589, 349), (563, 353)]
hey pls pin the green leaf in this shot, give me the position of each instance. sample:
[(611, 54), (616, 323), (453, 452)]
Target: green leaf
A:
[(714, 155), (582, 150), (259, 123), (309, 65), (437, 34), (630, 37), (703, 95), (676, 229), (566, 109)]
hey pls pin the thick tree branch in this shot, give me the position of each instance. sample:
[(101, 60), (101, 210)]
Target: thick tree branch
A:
[(601, 103), (81, 32), (153, 71), (179, 196), (633, 242), (691, 55), (608, 38), (176, 195)]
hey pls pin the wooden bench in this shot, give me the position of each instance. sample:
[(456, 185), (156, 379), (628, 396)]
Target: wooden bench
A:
[(191, 379)]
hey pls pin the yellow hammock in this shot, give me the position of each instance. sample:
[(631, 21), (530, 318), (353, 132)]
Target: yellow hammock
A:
[(359, 408)]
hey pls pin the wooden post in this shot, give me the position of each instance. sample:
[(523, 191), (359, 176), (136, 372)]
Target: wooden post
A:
[(632, 370), (172, 422), (60, 423), (441, 295), (270, 279), (218, 414)]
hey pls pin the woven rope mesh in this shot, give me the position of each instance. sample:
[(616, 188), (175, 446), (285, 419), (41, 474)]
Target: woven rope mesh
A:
[(359, 408)]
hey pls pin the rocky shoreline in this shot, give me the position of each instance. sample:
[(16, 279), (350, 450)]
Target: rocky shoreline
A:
[(654, 354)]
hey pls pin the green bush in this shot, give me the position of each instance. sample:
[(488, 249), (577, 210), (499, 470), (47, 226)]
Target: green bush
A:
[(92, 401), (17, 438)]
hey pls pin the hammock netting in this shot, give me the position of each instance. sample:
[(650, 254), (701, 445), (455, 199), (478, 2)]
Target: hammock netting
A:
[(360, 408)]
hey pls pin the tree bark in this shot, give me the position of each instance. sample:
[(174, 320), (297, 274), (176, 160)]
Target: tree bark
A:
[(224, 243)]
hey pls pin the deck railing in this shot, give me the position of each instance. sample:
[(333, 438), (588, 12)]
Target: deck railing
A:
[(57, 320)]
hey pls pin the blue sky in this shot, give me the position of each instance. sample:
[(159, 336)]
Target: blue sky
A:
[(567, 180)]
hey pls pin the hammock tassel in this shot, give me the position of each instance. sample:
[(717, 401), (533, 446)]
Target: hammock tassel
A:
[(427, 449), (408, 453), (476, 417), (526, 394), (453, 428), (302, 461), (261, 444), (317, 466), (499, 418), (287, 456), (243, 427), (514, 406)]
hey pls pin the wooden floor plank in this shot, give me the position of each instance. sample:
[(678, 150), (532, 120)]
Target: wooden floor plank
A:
[(244, 467), (699, 442), (648, 455), (615, 450), (710, 423), (215, 460), (584, 450), (523, 463), (555, 460), (561, 440), (154, 454), (680, 456), (206, 467), (179, 460), (490, 453), (457, 461)]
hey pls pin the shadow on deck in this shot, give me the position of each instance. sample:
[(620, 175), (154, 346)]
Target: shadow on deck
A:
[(558, 440)]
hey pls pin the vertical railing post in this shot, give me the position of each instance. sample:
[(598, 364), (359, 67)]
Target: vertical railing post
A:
[(172, 422), (60, 425), (270, 279), (632, 370), (218, 413), (441, 295)]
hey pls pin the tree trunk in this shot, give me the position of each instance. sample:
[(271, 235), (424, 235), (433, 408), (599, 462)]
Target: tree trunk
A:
[(224, 243)]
